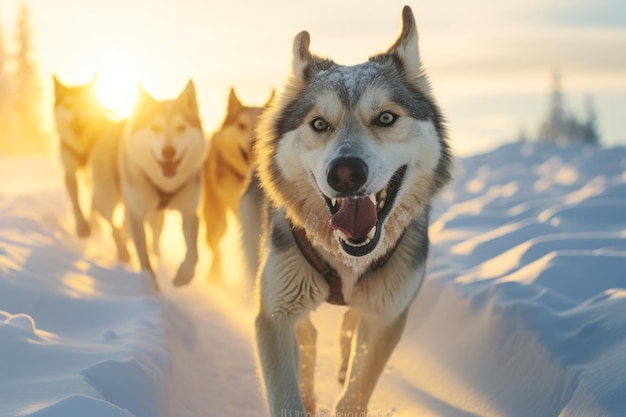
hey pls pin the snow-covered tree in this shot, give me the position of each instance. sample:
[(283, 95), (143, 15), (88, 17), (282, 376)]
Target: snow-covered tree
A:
[(562, 128), (28, 91), (5, 93), (553, 129), (591, 125)]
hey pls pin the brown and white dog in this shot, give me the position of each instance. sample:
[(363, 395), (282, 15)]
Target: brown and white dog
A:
[(80, 121), (227, 172), (160, 163)]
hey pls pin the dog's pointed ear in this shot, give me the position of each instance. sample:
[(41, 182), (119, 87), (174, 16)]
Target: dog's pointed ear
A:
[(94, 81), (301, 55), (234, 105), (188, 97), (143, 98), (406, 46), (92, 85), (268, 103), (59, 88)]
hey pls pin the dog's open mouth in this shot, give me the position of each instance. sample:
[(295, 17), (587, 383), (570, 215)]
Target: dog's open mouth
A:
[(169, 167), (357, 221)]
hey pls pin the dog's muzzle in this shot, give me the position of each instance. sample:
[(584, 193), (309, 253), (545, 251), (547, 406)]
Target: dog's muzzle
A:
[(358, 220)]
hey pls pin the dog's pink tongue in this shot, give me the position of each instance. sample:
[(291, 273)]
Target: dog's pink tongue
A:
[(168, 169), (355, 218)]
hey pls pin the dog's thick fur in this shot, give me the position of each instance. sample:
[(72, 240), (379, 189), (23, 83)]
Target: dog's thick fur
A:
[(160, 161), (353, 156), (80, 121), (227, 173)]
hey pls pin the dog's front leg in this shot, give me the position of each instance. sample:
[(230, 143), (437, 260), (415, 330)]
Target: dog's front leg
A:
[(376, 338), (187, 268), (156, 221), (346, 334), (71, 183), (138, 233), (307, 338), (278, 353)]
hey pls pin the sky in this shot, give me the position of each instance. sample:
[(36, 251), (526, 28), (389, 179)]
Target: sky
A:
[(490, 63)]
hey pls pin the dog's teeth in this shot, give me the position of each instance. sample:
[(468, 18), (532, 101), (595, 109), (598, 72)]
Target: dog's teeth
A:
[(342, 235), (371, 233), (333, 201), (373, 198), (381, 204), (383, 194)]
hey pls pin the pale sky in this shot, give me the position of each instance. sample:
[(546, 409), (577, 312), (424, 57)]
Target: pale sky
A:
[(490, 62)]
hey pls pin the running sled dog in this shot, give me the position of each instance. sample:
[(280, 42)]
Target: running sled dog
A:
[(80, 121), (160, 161), (226, 172), (88, 147), (348, 159)]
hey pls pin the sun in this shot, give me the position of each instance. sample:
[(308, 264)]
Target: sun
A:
[(117, 83)]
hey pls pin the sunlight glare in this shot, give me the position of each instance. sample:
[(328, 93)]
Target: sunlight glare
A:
[(117, 84)]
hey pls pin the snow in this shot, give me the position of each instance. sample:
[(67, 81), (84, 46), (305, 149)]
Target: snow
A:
[(523, 312), (353, 78)]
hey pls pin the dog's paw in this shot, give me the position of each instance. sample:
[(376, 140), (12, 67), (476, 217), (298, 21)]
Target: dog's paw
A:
[(215, 275), (184, 275), (123, 256), (82, 229), (341, 376)]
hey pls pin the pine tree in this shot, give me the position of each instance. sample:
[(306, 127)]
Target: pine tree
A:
[(562, 128), (591, 124), (552, 129), (28, 92), (5, 97)]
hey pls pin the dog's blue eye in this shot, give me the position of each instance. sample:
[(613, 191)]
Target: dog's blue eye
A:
[(319, 125), (386, 118)]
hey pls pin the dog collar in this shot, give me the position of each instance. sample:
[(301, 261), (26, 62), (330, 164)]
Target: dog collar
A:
[(330, 275)]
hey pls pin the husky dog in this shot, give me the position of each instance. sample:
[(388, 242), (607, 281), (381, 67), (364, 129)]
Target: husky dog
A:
[(80, 120), (348, 159), (160, 162), (227, 172)]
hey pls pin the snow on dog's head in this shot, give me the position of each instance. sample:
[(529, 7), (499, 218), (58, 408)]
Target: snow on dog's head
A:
[(353, 153)]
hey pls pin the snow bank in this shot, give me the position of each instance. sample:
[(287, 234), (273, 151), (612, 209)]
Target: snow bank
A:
[(523, 312), (78, 334)]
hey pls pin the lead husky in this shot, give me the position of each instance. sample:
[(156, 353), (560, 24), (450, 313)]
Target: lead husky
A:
[(348, 160), (227, 172), (80, 121), (160, 160)]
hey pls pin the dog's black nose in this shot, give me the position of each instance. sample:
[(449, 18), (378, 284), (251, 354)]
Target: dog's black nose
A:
[(168, 152), (347, 175)]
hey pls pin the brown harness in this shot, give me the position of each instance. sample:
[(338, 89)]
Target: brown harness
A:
[(81, 158), (332, 278), (165, 196)]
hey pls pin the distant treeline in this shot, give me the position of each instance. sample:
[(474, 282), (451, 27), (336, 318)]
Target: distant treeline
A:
[(22, 126)]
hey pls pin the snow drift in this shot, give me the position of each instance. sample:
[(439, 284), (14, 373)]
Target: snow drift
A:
[(523, 312)]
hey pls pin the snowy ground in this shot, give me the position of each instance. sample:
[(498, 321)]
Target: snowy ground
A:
[(523, 312)]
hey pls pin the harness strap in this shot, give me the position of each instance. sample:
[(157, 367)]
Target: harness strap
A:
[(165, 196), (332, 278), (81, 158), (330, 275)]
